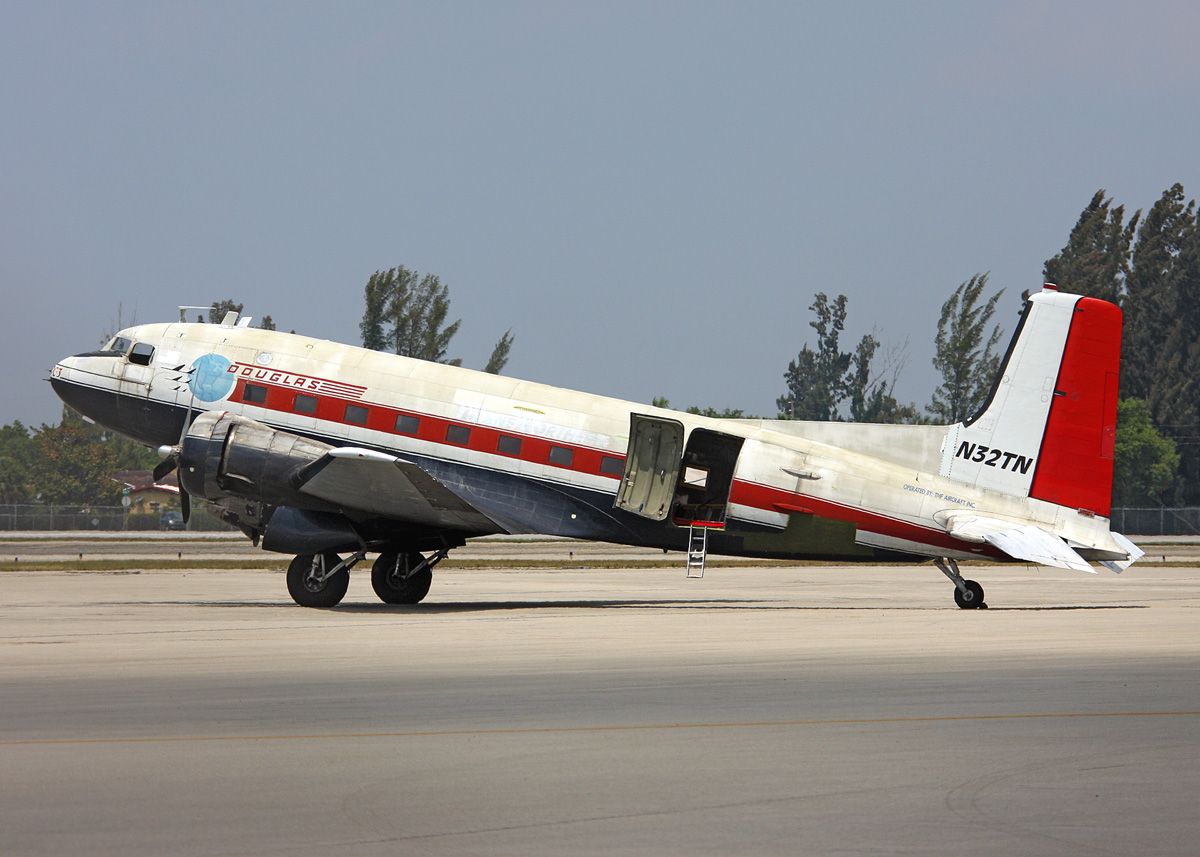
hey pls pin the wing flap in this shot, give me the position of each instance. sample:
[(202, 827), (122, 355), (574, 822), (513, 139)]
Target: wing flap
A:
[(365, 480), (1020, 541)]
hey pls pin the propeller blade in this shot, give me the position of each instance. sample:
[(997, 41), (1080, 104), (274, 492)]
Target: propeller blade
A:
[(165, 466), (185, 504)]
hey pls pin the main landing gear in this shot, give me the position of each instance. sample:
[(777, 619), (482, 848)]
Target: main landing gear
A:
[(397, 576), (967, 593), (403, 577)]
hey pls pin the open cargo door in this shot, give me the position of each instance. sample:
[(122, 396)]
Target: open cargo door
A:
[(651, 466)]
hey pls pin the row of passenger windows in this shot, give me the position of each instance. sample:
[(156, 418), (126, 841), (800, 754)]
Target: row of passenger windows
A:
[(256, 394)]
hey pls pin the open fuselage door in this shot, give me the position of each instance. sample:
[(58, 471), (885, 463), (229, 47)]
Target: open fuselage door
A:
[(652, 465), (666, 479)]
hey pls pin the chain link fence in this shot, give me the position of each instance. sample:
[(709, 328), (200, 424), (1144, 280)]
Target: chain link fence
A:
[(46, 518), (1161, 521)]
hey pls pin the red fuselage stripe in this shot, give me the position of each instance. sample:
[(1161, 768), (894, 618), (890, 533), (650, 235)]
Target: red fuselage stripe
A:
[(586, 460)]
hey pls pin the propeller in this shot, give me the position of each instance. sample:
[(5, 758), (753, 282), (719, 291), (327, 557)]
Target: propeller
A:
[(170, 456)]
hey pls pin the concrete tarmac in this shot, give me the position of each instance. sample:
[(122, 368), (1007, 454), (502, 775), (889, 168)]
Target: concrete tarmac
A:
[(758, 711)]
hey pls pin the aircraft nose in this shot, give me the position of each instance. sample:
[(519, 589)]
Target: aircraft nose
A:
[(73, 381)]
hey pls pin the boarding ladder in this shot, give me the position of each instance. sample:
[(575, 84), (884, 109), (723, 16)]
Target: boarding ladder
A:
[(698, 546)]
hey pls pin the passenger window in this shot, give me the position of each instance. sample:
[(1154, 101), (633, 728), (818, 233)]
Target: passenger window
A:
[(458, 434), (561, 456), (254, 394), (356, 414), (508, 445), (612, 466), (142, 354), (406, 424), (305, 404)]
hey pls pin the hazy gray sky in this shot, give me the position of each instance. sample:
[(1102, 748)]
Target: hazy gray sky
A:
[(649, 194)]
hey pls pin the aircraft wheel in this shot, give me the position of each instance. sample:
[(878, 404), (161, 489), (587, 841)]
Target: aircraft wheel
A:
[(305, 584), (389, 580), (971, 598)]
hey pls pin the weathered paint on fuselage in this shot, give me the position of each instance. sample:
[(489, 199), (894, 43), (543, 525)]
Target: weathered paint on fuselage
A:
[(793, 495)]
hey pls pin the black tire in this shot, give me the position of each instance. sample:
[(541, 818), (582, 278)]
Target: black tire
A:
[(393, 584), (306, 591), (970, 599)]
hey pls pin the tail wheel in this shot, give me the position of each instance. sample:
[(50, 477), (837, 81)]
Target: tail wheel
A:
[(401, 577), (970, 597), (311, 585)]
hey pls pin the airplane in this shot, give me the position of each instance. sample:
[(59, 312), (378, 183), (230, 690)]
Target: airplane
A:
[(318, 449)]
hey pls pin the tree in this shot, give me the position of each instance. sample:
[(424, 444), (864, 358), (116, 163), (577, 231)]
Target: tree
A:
[(499, 357), (405, 313), (72, 467), (721, 414), (966, 357), (421, 328), (1095, 261), (816, 380), (1152, 286), (820, 381), (218, 310), (17, 452), (1174, 395), (1146, 462), (216, 313), (375, 302), (871, 390)]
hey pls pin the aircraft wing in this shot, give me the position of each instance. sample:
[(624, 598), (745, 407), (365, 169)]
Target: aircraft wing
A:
[(1020, 541), (364, 480)]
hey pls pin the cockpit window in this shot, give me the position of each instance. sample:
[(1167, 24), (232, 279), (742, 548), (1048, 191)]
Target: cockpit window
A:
[(142, 354), (118, 344)]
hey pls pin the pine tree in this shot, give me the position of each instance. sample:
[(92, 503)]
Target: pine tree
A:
[(1095, 261), (375, 301), (499, 356), (816, 380), (966, 356), (1174, 395), (216, 313), (1151, 303)]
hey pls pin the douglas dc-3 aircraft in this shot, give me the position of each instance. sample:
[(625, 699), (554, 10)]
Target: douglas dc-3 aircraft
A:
[(319, 449)]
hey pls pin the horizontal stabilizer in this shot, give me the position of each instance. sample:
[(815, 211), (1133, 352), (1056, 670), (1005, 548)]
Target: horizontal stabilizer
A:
[(1020, 541), (1135, 553)]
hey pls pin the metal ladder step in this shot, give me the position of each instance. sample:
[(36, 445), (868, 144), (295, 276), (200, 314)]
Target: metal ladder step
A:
[(697, 550)]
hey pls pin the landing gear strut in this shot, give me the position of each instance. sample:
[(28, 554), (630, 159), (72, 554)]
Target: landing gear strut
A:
[(320, 580), (967, 593), (403, 577)]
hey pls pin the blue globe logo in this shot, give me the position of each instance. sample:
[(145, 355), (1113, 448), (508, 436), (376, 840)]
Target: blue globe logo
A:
[(211, 378)]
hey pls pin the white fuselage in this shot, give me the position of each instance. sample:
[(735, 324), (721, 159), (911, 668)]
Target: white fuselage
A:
[(882, 483)]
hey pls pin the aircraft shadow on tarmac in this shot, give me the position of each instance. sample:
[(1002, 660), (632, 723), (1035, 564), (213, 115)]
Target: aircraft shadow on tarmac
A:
[(601, 604)]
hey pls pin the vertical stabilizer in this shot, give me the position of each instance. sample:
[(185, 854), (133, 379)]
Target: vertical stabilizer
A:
[(1049, 426)]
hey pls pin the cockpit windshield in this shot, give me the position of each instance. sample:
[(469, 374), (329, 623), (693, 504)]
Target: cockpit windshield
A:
[(118, 344)]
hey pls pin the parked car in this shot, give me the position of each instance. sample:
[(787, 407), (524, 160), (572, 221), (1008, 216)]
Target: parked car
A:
[(171, 520)]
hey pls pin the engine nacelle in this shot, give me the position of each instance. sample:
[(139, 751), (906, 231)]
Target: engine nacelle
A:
[(224, 454)]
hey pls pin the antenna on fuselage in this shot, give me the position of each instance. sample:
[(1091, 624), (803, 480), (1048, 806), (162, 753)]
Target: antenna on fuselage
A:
[(183, 312)]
